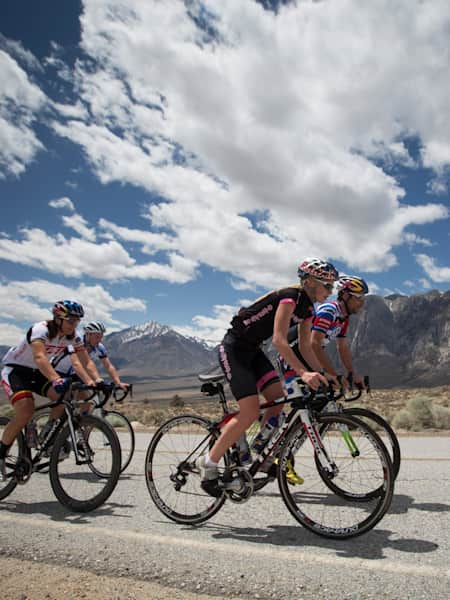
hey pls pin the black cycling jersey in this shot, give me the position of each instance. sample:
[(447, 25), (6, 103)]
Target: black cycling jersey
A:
[(254, 323)]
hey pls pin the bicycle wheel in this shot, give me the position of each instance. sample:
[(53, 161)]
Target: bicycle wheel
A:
[(15, 453), (125, 433), (313, 503), (377, 422), (173, 481), (73, 481)]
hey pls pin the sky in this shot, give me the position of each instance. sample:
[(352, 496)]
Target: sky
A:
[(172, 160)]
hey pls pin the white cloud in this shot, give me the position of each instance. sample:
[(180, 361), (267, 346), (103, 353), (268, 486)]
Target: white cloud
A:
[(432, 270), (79, 224), (211, 329), (62, 203), (31, 301), (264, 120), (20, 101)]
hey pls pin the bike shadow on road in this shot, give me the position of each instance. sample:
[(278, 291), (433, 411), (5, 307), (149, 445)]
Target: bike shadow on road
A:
[(401, 504), (368, 546), (56, 512)]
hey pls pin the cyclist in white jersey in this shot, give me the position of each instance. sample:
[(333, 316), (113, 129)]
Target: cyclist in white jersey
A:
[(28, 368), (92, 340)]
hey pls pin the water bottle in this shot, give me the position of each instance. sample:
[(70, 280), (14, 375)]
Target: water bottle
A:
[(31, 435), (244, 451), (293, 388), (263, 436)]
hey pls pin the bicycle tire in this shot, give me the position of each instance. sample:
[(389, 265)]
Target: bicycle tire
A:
[(17, 451), (118, 421), (173, 481), (313, 504), (75, 485), (393, 446)]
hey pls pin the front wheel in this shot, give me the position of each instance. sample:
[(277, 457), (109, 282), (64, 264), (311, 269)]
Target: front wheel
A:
[(74, 481), (173, 480), (386, 432), (314, 503), (15, 453)]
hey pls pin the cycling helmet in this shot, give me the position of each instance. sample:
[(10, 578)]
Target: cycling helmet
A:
[(352, 284), (94, 327), (67, 308), (318, 268)]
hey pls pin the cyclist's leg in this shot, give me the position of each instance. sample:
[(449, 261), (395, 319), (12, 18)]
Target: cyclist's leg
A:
[(19, 383)]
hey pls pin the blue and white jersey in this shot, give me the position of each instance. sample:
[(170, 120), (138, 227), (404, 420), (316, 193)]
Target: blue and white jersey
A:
[(330, 321)]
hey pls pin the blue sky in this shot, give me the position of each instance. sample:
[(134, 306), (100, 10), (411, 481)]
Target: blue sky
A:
[(172, 160)]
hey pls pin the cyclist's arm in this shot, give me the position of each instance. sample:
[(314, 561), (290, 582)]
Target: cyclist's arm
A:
[(42, 362), (346, 359), (112, 372), (280, 332), (317, 338), (305, 345)]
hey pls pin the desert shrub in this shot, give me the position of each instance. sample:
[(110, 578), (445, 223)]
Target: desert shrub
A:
[(177, 401), (417, 415), (402, 420), (441, 416), (157, 417)]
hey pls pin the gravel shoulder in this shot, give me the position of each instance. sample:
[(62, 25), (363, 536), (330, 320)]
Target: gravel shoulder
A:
[(27, 580)]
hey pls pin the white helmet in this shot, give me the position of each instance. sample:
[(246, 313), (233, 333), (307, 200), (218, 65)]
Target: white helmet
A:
[(94, 327)]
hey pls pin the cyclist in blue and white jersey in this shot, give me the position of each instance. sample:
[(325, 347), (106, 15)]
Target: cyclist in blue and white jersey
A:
[(28, 368), (331, 322)]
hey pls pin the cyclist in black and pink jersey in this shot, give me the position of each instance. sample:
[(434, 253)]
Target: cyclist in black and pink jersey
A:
[(28, 368), (246, 367), (331, 323)]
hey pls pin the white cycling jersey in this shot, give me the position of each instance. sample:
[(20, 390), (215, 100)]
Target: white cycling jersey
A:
[(22, 355)]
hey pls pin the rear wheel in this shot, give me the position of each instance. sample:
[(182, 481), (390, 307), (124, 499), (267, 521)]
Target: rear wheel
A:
[(173, 480), (125, 433), (315, 503), (75, 482), (15, 454)]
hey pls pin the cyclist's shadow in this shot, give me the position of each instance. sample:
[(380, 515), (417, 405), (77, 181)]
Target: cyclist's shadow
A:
[(401, 503), (369, 546)]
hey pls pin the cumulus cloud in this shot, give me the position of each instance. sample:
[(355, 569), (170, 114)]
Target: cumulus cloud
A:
[(31, 301), (20, 101), (209, 328), (246, 117), (62, 203), (433, 271)]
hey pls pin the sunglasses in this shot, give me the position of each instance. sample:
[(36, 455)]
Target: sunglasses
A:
[(326, 284), (71, 319)]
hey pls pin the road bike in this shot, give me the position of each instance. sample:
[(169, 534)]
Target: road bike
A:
[(83, 469), (97, 400), (347, 473)]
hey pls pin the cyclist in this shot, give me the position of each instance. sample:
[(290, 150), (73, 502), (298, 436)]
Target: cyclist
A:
[(246, 367), (92, 341), (331, 323), (28, 368)]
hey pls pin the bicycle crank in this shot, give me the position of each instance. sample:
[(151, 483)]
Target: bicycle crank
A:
[(237, 484)]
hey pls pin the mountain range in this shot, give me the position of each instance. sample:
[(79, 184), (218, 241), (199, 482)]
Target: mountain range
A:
[(397, 340)]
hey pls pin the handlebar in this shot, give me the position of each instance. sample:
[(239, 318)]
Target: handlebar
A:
[(103, 388)]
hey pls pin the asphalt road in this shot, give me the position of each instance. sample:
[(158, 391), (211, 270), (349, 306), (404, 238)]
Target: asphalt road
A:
[(253, 550)]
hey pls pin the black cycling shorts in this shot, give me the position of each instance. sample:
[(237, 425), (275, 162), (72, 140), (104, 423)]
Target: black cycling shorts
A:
[(246, 367), (19, 382)]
